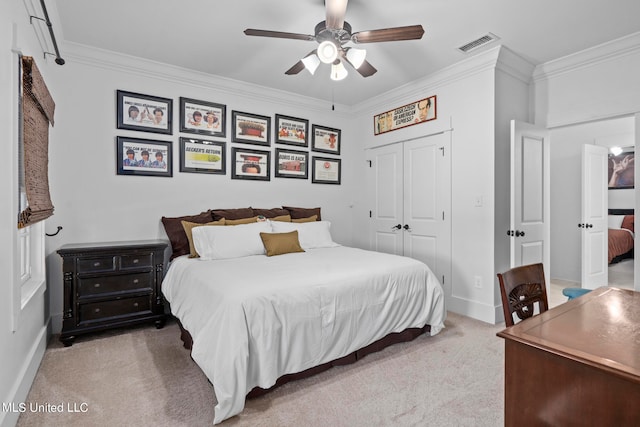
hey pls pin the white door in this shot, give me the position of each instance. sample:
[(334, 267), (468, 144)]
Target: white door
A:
[(595, 271), (530, 227), (427, 201), (411, 199), (386, 199)]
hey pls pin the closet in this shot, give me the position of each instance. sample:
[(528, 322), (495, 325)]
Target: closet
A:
[(409, 198)]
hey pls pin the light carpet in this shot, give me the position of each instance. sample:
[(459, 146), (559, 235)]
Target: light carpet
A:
[(143, 376)]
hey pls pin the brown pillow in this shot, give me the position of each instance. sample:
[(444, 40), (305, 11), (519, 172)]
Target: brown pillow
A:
[(188, 227), (627, 222), (282, 218), (281, 243), (312, 218), (175, 231), (232, 213), (270, 213), (303, 212), (241, 221)]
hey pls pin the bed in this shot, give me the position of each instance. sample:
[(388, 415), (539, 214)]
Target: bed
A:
[(620, 234), (255, 317)]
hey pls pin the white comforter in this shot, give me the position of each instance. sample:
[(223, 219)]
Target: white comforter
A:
[(256, 318)]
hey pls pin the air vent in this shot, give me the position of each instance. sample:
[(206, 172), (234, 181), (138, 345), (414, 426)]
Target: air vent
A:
[(475, 44)]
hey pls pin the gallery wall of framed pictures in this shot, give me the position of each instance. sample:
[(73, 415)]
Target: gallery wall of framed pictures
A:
[(301, 149)]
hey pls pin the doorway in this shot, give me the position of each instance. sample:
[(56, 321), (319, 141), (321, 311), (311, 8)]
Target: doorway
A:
[(566, 199)]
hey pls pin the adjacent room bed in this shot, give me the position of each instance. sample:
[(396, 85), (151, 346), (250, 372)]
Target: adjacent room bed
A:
[(621, 234), (265, 300)]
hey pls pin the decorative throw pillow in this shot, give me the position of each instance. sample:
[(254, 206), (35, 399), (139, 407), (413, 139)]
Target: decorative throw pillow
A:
[(281, 243), (175, 231), (303, 212), (628, 222), (615, 221), (189, 226), (241, 221), (310, 234), (228, 214), (230, 242), (312, 218), (270, 213)]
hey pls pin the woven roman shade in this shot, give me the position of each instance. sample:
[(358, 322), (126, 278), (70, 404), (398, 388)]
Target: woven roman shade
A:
[(37, 113)]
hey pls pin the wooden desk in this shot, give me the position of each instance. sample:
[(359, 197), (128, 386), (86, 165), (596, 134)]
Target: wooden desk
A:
[(577, 364)]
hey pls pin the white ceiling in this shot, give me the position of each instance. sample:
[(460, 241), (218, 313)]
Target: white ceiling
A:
[(207, 35)]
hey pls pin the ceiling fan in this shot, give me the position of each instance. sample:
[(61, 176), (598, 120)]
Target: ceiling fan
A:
[(332, 34)]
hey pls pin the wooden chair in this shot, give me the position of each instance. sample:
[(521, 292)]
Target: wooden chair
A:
[(522, 287)]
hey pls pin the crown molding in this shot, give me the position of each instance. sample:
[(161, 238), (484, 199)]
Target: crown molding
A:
[(476, 64), (110, 60), (624, 46)]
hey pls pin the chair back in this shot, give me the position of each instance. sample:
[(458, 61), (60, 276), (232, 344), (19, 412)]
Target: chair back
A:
[(521, 288)]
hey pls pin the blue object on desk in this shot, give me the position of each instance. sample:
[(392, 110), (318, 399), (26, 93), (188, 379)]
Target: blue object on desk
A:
[(572, 293)]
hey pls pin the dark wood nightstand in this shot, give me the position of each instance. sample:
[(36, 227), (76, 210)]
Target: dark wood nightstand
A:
[(109, 285)]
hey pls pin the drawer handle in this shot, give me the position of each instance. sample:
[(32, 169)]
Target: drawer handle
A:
[(135, 304), (97, 310), (135, 281), (97, 285), (97, 264), (135, 261)]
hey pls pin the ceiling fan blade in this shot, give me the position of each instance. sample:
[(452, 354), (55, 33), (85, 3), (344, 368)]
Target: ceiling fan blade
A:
[(336, 9), (411, 32), (278, 34), (299, 66), (366, 69)]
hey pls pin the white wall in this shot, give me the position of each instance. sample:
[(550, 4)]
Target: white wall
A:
[(95, 204), (24, 342)]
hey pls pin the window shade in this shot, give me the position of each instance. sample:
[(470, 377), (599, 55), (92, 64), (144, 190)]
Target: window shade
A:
[(37, 112)]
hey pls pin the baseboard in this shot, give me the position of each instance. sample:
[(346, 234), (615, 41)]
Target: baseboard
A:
[(475, 310), (24, 380)]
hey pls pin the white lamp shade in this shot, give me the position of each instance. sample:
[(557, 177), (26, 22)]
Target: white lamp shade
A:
[(311, 63), (616, 151), (356, 56), (338, 72), (327, 52)]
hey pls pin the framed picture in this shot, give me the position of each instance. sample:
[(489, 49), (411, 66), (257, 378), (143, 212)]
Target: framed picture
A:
[(292, 131), (325, 140), (203, 117), (202, 156), (415, 113), (621, 169), (325, 170), (145, 113), (251, 128), (250, 164), (135, 156), (291, 164)]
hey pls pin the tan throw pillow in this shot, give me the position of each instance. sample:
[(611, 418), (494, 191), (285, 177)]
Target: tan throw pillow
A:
[(281, 243), (309, 219), (241, 221), (189, 226), (282, 218)]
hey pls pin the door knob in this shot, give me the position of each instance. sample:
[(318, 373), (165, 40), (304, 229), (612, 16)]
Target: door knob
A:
[(589, 225), (396, 227), (519, 233), (580, 225), (509, 232), (406, 227)]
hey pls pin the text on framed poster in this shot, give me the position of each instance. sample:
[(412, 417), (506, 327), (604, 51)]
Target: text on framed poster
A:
[(411, 114)]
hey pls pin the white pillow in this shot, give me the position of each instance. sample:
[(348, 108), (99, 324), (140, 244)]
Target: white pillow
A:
[(230, 241), (311, 235), (615, 221)]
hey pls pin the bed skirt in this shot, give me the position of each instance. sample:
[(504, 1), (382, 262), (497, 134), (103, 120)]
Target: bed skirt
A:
[(408, 334)]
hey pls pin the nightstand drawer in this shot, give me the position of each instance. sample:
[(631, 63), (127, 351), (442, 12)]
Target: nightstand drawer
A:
[(91, 286), (98, 311), (128, 262), (96, 265)]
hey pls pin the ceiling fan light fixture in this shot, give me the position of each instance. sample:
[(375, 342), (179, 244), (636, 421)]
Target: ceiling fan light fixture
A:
[(338, 72), (616, 151), (356, 56), (327, 52), (311, 63)]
